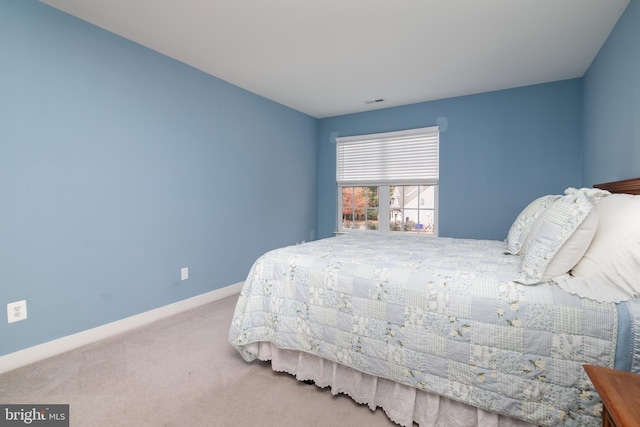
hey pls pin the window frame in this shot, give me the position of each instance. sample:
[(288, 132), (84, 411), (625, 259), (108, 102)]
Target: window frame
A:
[(384, 211), (429, 173)]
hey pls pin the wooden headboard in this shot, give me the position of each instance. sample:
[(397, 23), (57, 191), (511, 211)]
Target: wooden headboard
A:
[(628, 186)]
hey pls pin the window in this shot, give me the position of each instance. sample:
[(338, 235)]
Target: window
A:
[(360, 208), (389, 181)]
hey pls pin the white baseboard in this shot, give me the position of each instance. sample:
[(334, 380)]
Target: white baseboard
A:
[(55, 347)]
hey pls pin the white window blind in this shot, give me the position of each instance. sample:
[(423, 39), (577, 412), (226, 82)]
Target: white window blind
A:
[(391, 158)]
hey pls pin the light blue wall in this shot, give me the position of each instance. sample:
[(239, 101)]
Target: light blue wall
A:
[(612, 105), (119, 166), (499, 151)]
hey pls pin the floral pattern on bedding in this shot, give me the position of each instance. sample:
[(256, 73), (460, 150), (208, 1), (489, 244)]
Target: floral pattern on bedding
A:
[(442, 315)]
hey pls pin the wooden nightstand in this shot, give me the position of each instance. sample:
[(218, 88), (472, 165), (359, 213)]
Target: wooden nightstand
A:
[(620, 394)]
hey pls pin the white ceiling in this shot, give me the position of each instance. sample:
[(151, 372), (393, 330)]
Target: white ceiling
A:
[(328, 57)]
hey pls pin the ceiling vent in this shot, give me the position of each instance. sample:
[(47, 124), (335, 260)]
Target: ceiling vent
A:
[(374, 101)]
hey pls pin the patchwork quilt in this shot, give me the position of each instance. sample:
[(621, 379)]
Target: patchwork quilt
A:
[(439, 314)]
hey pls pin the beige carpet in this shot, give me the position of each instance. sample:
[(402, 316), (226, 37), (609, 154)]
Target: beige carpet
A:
[(180, 371)]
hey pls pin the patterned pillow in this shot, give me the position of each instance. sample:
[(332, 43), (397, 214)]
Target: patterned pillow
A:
[(573, 249), (549, 232), (522, 225)]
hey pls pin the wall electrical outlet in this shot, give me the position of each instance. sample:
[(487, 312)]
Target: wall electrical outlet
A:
[(16, 311), (184, 273)]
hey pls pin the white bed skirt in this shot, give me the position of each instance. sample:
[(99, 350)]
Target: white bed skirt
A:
[(403, 404)]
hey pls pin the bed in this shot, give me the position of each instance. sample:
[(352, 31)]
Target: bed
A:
[(439, 331)]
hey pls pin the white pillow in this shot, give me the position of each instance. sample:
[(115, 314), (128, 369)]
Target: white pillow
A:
[(550, 232), (522, 225), (610, 269)]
